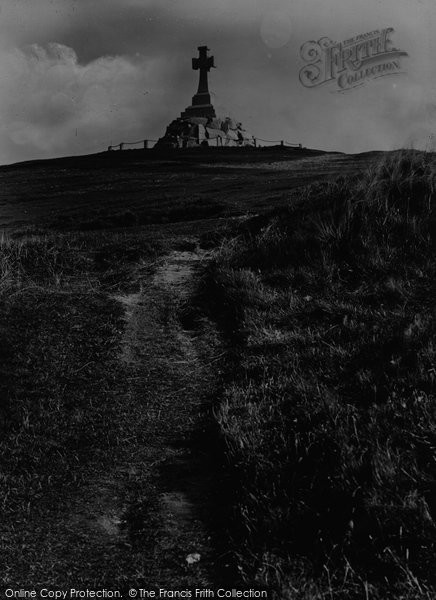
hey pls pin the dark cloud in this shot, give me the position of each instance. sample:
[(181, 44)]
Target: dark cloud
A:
[(79, 74)]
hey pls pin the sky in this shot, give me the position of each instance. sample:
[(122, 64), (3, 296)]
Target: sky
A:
[(79, 75)]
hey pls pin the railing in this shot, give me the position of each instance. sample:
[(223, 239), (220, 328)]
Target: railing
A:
[(146, 143), (281, 142)]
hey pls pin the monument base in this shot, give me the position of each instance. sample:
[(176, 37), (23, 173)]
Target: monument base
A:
[(189, 131), (200, 110), (201, 107)]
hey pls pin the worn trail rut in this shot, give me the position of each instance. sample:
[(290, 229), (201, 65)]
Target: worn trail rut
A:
[(170, 376), (152, 515)]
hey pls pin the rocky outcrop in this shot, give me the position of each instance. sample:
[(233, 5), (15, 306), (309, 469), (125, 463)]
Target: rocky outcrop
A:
[(188, 132)]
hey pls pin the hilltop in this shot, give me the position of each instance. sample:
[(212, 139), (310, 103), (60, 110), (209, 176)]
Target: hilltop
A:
[(141, 187)]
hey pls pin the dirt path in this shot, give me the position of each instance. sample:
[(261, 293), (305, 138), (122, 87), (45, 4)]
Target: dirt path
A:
[(170, 375), (149, 519)]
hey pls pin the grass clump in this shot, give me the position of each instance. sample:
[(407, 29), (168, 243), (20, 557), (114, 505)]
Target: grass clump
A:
[(92, 260), (329, 413)]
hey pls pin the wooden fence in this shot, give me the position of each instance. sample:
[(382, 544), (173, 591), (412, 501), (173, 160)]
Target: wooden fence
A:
[(146, 144)]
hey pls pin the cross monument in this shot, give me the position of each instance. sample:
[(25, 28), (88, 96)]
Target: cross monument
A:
[(201, 105)]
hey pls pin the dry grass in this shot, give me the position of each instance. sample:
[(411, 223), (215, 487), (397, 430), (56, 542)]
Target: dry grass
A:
[(329, 413), (61, 383)]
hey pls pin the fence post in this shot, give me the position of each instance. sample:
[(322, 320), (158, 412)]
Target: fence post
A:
[(300, 145), (121, 145), (282, 143), (145, 144)]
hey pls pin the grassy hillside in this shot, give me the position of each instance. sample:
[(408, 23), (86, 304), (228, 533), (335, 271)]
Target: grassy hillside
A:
[(137, 188), (328, 410), (323, 470)]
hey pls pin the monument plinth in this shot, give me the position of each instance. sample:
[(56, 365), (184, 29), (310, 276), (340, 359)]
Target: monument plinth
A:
[(198, 124), (201, 105)]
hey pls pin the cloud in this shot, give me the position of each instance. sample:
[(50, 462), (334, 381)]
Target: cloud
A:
[(50, 104)]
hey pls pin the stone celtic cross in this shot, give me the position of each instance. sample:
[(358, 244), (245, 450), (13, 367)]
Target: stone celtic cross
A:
[(201, 105), (204, 63)]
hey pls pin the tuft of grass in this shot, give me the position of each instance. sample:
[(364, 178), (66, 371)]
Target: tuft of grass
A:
[(328, 414), (94, 259)]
